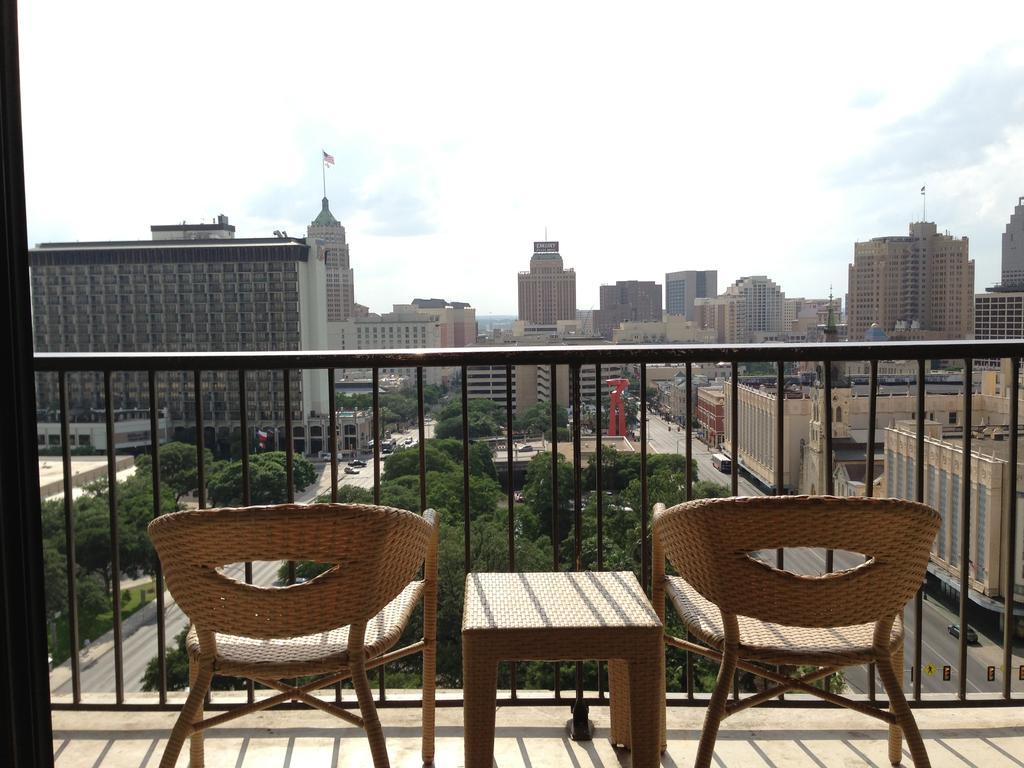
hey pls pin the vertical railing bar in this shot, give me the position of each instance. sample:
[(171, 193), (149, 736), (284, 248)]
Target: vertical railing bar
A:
[(869, 484), (555, 496), (869, 480), (375, 416), (421, 421), (197, 392), (599, 462), (645, 513), (555, 533), (69, 545), (115, 538), (780, 444), (289, 439), (599, 490), (154, 440), (509, 484), (1011, 530), (577, 462), (689, 435), (510, 476), (919, 496), (689, 496), (243, 425), (466, 559), (332, 440), (421, 415), (965, 541), (577, 479), (734, 428), (829, 488), (381, 691), (289, 454)]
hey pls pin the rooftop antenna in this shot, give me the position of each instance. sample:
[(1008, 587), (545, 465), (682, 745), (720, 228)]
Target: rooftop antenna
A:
[(924, 205)]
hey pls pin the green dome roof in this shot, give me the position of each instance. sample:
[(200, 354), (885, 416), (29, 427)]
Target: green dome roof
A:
[(325, 218)]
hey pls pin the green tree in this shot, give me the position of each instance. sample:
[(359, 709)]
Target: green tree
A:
[(537, 419), (486, 419), (398, 408), (178, 467), (351, 401), (268, 479)]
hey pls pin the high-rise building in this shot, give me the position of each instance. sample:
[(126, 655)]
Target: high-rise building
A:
[(193, 287), (1013, 249), (328, 234), (547, 293), (682, 288), (752, 310), (627, 301), (919, 286)]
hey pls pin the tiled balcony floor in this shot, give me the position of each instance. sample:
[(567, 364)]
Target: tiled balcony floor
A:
[(534, 737)]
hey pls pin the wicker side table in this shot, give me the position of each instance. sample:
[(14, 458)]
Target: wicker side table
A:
[(564, 617)]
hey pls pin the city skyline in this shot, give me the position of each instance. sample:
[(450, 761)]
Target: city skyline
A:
[(637, 164)]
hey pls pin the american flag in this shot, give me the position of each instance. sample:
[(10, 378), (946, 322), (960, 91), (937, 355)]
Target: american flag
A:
[(328, 159)]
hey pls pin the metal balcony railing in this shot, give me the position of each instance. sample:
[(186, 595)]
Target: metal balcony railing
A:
[(557, 360)]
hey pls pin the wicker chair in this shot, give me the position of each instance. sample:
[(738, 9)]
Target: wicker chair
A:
[(334, 626), (751, 615)]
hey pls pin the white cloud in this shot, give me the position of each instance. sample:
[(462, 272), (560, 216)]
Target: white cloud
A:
[(648, 137)]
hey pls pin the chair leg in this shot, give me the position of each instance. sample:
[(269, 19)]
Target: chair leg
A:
[(371, 722), (716, 709), (429, 694), (192, 711), (890, 670)]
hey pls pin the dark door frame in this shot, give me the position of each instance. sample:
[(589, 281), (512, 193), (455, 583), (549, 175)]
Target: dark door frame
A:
[(26, 737)]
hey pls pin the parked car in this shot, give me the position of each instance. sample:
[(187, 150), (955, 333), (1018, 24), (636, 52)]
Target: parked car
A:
[(351, 470), (954, 630)]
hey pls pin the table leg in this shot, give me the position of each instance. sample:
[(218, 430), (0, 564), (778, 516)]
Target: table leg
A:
[(618, 702), (479, 692), (647, 706)]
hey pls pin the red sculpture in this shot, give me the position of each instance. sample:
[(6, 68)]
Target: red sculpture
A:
[(617, 409)]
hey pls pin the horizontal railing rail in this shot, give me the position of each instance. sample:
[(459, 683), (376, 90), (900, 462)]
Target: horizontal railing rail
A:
[(567, 551)]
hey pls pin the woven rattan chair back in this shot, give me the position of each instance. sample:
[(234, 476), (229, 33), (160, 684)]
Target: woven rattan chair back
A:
[(375, 551), (711, 543)]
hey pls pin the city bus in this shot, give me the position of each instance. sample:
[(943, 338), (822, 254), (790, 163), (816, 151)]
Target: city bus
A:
[(722, 462)]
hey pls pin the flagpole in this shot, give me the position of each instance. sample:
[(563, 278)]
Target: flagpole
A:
[(323, 172)]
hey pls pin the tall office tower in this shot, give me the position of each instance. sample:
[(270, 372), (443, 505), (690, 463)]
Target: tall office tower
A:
[(627, 301), (193, 288), (916, 287), (1013, 249), (547, 293), (761, 311), (683, 288), (327, 235)]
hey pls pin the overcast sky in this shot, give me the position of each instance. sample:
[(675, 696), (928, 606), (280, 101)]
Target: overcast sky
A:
[(760, 138)]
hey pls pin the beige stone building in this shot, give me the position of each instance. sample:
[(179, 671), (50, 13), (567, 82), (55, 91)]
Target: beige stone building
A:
[(757, 431), (918, 286), (943, 490), (672, 329), (850, 413), (547, 293)]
